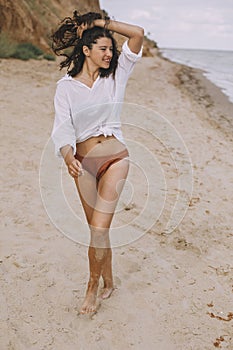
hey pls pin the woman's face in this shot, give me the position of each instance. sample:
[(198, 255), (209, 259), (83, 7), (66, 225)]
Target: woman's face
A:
[(101, 53)]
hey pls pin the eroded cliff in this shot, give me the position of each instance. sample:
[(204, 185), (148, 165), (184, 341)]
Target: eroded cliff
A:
[(33, 20)]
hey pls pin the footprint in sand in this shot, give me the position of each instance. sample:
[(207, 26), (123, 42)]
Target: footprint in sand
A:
[(180, 243)]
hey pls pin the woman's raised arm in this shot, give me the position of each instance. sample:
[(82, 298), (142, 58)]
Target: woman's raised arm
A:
[(133, 32)]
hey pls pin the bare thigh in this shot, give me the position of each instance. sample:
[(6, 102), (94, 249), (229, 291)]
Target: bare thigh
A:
[(86, 186), (110, 187)]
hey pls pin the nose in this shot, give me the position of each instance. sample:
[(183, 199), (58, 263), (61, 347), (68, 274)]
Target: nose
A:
[(108, 53)]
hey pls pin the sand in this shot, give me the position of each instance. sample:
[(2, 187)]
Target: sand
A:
[(173, 290)]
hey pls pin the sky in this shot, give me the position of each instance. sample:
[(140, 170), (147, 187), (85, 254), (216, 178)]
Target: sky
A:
[(194, 24)]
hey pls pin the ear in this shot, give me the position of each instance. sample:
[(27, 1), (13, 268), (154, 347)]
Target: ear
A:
[(86, 51)]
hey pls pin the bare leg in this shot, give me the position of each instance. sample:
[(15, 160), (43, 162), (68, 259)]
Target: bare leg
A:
[(99, 219), (98, 252), (109, 190), (86, 186), (107, 275)]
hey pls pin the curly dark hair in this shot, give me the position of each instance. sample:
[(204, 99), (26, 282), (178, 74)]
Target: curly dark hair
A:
[(65, 37)]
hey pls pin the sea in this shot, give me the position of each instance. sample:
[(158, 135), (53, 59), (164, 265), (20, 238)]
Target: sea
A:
[(216, 64)]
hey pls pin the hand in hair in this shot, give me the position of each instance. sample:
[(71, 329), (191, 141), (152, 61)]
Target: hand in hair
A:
[(87, 21), (82, 28)]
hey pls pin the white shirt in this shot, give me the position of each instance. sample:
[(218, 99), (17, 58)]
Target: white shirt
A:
[(82, 112)]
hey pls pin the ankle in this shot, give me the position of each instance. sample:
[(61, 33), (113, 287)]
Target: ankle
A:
[(108, 282)]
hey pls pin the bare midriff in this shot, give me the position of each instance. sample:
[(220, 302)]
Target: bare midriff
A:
[(99, 146)]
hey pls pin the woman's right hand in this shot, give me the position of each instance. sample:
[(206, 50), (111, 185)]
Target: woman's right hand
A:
[(75, 168)]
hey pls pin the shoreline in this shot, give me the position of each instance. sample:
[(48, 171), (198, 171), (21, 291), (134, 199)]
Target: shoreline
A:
[(206, 72), (215, 102), (203, 91)]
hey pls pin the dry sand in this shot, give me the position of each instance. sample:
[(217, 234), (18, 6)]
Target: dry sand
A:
[(174, 291)]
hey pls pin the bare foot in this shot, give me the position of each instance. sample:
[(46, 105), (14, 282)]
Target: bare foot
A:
[(89, 304), (106, 293)]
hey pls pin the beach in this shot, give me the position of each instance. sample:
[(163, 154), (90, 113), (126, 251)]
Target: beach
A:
[(173, 289)]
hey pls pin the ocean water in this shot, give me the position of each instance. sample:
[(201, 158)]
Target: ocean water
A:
[(217, 65)]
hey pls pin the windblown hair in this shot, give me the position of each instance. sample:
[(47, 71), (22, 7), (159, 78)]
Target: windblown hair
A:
[(66, 38)]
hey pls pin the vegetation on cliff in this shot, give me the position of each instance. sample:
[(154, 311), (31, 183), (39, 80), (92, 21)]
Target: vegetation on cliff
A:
[(24, 51)]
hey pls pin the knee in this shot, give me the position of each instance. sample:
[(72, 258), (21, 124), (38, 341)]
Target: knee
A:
[(99, 228), (99, 236)]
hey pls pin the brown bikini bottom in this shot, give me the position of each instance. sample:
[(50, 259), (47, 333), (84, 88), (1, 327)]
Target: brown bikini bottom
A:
[(97, 166)]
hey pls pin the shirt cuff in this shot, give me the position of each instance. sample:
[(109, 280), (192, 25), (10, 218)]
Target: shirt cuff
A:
[(132, 56), (58, 148)]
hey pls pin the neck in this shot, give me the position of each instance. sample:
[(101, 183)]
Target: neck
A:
[(90, 71)]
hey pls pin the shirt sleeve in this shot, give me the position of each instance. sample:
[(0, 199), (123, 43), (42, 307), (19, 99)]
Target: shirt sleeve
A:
[(63, 132), (126, 63)]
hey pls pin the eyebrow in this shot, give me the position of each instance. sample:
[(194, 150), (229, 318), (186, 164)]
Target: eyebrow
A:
[(105, 46)]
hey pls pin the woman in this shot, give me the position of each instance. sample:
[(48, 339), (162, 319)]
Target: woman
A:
[(87, 129)]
